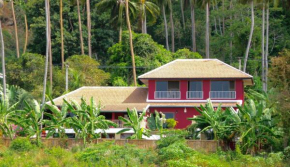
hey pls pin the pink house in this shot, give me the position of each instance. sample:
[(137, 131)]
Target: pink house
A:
[(174, 89)]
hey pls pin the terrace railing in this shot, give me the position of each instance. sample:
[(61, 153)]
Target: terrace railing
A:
[(222, 94), (194, 94), (167, 95)]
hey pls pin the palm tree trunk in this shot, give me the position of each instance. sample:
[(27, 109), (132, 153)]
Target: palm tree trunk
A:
[(250, 37), (193, 37), (3, 61), (182, 13), (15, 29), (61, 34), (47, 54), (219, 19), (263, 46), (172, 29), (231, 35), (145, 23), (207, 31), (165, 27), (224, 28), (215, 22), (26, 33), (131, 41), (89, 27), (267, 47), (120, 33), (80, 28)]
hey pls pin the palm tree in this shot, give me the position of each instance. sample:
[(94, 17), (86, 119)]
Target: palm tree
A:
[(15, 29), (193, 37), (80, 27), (117, 11), (22, 5), (134, 121), (47, 52), (207, 29), (251, 35), (131, 41), (89, 27), (61, 34), (163, 4), (147, 9), (182, 13), (172, 27), (3, 55), (263, 45)]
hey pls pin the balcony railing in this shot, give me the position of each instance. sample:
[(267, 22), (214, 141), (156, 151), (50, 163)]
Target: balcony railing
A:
[(222, 94), (167, 95), (194, 94)]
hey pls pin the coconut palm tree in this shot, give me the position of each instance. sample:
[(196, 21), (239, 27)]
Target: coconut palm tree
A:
[(147, 9), (61, 33), (47, 52), (15, 29), (251, 34), (192, 14), (172, 26), (163, 4), (80, 27), (89, 27), (207, 28), (131, 41), (3, 54), (117, 12)]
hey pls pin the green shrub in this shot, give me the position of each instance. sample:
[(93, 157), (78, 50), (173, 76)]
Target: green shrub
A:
[(287, 153), (21, 144), (56, 152), (180, 163), (168, 140), (171, 123), (108, 154), (175, 151)]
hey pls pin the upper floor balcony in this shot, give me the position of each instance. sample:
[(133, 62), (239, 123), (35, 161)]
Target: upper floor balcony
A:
[(197, 90)]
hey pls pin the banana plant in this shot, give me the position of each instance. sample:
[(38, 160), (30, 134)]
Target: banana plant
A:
[(58, 119), (8, 117), (32, 120), (87, 119), (134, 121), (212, 119)]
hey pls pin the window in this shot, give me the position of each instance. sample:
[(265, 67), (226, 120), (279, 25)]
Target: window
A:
[(169, 115), (167, 86), (194, 86), (222, 86)]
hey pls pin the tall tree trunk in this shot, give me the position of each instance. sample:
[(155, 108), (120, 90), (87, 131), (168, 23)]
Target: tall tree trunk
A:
[(231, 35), (50, 56), (120, 33), (267, 47), (215, 22), (165, 27), (26, 34), (172, 29), (263, 46), (182, 13), (193, 37), (3, 61), (47, 54), (131, 41), (15, 29), (80, 28), (61, 34), (251, 35), (217, 8), (89, 27), (145, 23), (224, 28), (207, 31)]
